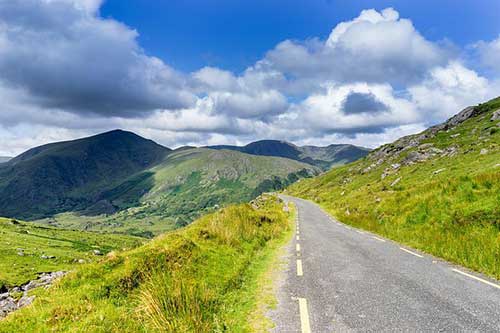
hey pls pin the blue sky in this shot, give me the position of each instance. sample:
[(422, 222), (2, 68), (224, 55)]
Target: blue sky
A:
[(231, 72), (190, 34)]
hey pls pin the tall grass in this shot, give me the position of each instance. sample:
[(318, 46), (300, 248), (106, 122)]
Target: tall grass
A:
[(198, 279)]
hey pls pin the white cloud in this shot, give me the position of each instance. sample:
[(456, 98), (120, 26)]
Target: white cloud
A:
[(489, 54), (377, 47), (448, 89), (66, 72), (324, 113)]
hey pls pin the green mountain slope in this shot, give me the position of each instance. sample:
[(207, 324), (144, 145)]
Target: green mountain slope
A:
[(322, 157), (203, 278), (438, 191), (29, 249), (72, 175), (118, 181), (188, 183)]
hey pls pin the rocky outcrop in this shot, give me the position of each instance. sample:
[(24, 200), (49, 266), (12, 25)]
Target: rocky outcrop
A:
[(496, 115), (424, 151), (17, 297)]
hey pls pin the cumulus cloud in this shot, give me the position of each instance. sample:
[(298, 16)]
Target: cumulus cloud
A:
[(489, 54), (325, 113), (448, 89), (374, 47), (66, 72), (68, 58)]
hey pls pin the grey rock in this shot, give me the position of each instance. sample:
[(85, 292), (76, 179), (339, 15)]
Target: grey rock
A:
[(496, 115), (438, 171), (415, 156), (396, 181), (97, 252), (7, 306), (425, 146), (25, 300), (47, 257), (483, 151), (455, 135), (450, 151), (31, 285)]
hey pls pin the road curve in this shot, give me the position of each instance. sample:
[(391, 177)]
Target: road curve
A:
[(351, 280)]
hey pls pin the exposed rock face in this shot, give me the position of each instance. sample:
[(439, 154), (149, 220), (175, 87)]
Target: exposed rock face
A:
[(10, 303), (426, 150), (496, 115)]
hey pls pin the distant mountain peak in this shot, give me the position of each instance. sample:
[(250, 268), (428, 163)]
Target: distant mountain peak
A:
[(322, 157)]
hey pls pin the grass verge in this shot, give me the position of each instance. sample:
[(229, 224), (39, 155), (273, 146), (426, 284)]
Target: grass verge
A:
[(203, 278)]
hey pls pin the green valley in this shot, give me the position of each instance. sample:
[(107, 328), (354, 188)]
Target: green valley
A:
[(30, 249), (119, 182), (187, 184)]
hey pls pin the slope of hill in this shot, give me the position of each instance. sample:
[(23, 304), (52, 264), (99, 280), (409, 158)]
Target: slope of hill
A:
[(438, 191), (29, 249), (322, 157), (188, 183), (120, 171), (4, 159), (72, 175), (203, 278)]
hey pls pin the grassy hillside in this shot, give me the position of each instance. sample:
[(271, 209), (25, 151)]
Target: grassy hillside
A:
[(321, 157), (187, 184), (72, 175), (438, 191), (203, 278), (24, 244)]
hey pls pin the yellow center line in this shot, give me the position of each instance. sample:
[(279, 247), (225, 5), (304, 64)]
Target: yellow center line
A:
[(299, 268), (304, 316), (477, 278)]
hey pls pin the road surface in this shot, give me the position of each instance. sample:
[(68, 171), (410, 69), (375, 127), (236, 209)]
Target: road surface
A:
[(342, 279)]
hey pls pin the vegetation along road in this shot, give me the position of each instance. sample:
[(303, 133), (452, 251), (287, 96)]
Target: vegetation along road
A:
[(343, 279)]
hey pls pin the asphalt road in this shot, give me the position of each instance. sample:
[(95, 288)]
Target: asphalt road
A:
[(351, 280)]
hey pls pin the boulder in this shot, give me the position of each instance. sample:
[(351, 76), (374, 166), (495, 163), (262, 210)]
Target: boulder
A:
[(7, 305), (25, 300), (496, 115)]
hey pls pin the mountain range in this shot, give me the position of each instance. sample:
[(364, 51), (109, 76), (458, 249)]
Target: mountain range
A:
[(120, 181), (322, 157)]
